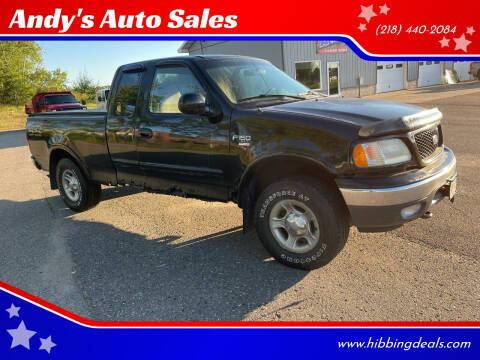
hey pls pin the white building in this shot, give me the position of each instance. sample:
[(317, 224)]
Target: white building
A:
[(333, 68)]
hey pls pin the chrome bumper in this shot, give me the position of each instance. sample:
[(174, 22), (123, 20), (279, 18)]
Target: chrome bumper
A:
[(377, 207)]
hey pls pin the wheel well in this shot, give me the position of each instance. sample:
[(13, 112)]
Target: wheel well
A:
[(274, 169), (55, 156)]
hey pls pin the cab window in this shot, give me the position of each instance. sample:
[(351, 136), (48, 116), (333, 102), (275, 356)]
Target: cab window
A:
[(127, 92), (169, 84)]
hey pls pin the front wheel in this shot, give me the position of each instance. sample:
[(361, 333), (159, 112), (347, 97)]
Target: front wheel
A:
[(77, 193), (302, 223)]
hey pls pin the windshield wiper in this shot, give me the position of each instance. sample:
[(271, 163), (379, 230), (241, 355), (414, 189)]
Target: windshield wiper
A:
[(313, 93), (270, 95)]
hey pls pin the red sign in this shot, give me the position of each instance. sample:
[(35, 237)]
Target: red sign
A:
[(331, 47)]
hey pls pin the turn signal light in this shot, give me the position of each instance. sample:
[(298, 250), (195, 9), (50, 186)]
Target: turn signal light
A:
[(359, 156), (381, 153)]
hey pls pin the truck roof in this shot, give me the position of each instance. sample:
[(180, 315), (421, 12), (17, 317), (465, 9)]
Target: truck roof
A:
[(188, 58), (53, 93)]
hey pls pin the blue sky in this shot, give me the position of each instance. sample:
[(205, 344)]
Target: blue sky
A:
[(100, 59)]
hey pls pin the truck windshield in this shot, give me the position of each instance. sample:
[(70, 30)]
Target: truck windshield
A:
[(248, 80), (60, 99)]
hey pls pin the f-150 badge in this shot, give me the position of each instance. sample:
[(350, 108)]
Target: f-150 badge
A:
[(243, 140)]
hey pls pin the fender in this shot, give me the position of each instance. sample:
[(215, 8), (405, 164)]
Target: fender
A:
[(247, 188), (71, 153)]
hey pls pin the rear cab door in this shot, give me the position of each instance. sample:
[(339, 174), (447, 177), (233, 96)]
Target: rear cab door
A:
[(122, 123)]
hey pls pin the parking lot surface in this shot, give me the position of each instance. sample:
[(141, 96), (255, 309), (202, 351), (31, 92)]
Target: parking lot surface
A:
[(141, 256)]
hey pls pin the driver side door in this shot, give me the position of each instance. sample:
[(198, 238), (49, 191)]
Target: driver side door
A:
[(174, 148)]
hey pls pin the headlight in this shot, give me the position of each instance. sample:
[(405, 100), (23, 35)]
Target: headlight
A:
[(381, 153)]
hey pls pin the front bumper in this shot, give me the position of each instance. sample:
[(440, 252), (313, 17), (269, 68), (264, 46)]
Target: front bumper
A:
[(374, 207)]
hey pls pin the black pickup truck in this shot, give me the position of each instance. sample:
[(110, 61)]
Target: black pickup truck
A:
[(303, 167)]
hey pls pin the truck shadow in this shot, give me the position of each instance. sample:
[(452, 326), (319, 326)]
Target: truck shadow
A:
[(12, 138), (124, 276)]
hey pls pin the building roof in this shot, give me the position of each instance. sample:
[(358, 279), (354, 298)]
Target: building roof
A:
[(186, 46)]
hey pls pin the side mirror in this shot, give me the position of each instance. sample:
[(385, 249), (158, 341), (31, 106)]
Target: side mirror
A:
[(84, 102), (28, 109), (99, 99), (192, 103), (195, 104)]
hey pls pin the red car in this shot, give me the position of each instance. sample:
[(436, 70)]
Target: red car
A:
[(53, 101)]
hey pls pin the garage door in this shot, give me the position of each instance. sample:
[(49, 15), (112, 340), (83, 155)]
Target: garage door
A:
[(389, 76), (462, 68), (429, 73)]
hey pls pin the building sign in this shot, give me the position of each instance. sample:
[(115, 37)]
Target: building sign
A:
[(331, 47)]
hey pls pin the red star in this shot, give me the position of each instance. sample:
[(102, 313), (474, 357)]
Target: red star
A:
[(461, 43), (384, 9), (444, 42), (362, 27), (367, 12)]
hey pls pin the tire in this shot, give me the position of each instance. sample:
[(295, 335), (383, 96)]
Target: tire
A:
[(308, 209), (78, 194)]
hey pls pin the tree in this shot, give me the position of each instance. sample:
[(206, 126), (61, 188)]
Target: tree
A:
[(22, 74), (18, 62), (45, 80), (85, 87)]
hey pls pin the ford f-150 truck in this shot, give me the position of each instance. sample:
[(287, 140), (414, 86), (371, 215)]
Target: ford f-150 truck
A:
[(53, 101), (302, 167)]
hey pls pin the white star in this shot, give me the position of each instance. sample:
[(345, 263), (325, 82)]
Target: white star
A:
[(13, 311), (47, 344), (367, 12), (384, 9), (461, 43), (362, 27), (444, 42), (21, 336), (470, 30)]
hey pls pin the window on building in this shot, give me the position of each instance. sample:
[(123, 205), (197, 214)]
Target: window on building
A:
[(379, 67), (126, 96), (308, 73), (169, 84), (399, 66), (389, 66)]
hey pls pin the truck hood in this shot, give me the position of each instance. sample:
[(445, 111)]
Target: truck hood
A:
[(371, 117), (360, 112)]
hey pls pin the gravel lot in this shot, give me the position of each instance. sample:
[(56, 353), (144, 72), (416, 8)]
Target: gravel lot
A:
[(140, 256)]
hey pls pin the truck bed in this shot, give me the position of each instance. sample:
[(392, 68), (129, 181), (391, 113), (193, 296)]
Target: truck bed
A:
[(82, 133)]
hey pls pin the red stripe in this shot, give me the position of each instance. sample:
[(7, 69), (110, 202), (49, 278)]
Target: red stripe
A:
[(245, 324)]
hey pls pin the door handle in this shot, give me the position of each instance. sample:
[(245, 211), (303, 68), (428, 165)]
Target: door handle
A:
[(145, 133)]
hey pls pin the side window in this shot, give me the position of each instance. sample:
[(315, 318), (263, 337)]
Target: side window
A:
[(127, 92), (169, 83)]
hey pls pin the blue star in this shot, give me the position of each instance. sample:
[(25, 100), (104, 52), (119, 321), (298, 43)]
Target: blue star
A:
[(47, 344), (21, 336), (13, 311)]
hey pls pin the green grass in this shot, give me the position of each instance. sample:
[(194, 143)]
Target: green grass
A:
[(14, 117)]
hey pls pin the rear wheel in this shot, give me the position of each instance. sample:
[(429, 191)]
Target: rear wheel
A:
[(77, 193), (301, 222)]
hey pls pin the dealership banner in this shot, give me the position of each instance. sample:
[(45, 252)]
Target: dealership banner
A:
[(31, 328), (372, 28)]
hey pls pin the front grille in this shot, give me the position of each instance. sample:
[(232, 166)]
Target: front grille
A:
[(427, 142)]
